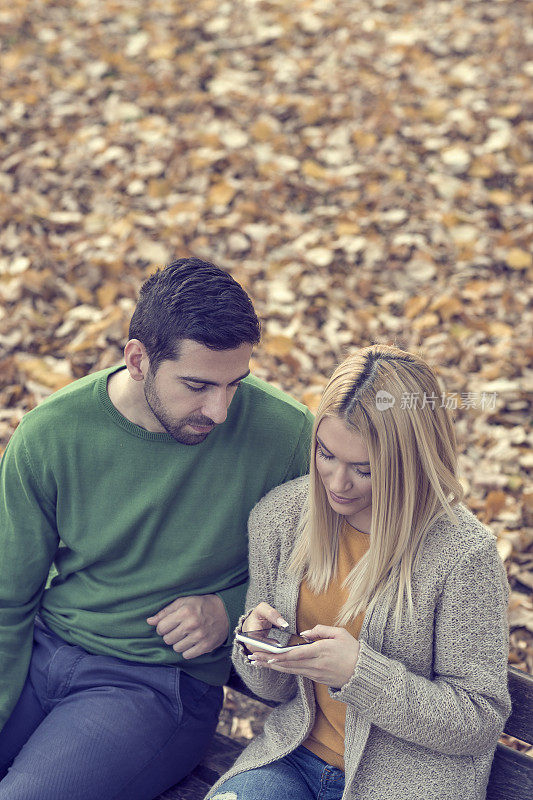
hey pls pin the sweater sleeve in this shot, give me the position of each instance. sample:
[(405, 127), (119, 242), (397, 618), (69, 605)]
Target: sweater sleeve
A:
[(233, 599), (299, 464), (264, 561), (28, 543), (462, 709)]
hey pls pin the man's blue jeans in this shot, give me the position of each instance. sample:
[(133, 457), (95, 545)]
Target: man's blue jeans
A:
[(299, 776), (90, 727)]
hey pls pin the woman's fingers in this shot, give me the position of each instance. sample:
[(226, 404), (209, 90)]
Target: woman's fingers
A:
[(261, 614), (330, 660), (295, 656), (322, 632)]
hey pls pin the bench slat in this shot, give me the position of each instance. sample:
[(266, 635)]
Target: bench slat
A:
[(511, 777), (191, 788), (221, 754), (520, 723)]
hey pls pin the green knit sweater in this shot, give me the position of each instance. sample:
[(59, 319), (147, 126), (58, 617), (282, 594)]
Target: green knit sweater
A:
[(131, 520)]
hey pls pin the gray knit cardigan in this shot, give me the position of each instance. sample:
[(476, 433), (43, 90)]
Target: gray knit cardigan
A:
[(425, 706)]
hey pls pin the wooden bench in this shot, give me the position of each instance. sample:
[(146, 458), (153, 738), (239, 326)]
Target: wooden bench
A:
[(511, 777)]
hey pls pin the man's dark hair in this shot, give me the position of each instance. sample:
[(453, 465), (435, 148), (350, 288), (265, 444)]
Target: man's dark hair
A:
[(192, 299)]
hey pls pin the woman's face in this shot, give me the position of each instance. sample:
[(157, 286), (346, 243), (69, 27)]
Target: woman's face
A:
[(343, 464)]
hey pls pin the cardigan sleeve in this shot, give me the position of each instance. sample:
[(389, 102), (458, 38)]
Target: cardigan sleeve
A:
[(264, 538), (462, 709)]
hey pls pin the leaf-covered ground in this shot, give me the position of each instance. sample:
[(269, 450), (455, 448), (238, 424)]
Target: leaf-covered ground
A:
[(363, 168)]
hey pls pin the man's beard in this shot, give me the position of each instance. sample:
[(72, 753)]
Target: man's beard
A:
[(172, 426)]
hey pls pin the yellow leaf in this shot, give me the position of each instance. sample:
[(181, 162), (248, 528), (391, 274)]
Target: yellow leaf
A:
[(121, 228), (510, 111), (313, 111), (346, 228), (262, 130), (183, 207), (399, 175), (107, 294), (483, 167), (159, 188), (499, 197), (76, 82), (491, 371), (221, 194), (10, 61), (518, 259), (162, 50), (414, 306), (313, 170), (500, 330), (426, 321), (515, 482), (447, 307), (364, 139), (435, 110), (475, 290)]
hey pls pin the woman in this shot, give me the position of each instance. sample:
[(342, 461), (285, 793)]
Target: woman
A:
[(402, 693)]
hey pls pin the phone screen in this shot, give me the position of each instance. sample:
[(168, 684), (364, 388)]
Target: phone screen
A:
[(277, 637)]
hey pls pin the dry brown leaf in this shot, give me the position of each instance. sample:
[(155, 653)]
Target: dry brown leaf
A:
[(447, 307), (279, 346), (38, 370), (505, 548)]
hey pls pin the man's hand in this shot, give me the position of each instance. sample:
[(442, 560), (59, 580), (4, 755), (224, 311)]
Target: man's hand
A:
[(193, 625)]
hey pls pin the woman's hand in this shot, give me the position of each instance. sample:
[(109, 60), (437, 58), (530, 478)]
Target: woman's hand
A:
[(330, 659), (262, 618)]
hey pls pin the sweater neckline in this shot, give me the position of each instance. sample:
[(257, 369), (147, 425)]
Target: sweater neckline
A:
[(350, 529), (122, 421)]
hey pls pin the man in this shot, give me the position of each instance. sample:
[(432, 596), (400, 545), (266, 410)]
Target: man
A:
[(136, 483)]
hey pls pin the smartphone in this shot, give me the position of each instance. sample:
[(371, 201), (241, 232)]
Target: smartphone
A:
[(274, 640)]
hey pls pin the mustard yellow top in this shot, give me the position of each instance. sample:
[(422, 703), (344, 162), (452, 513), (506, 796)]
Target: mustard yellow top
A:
[(326, 739)]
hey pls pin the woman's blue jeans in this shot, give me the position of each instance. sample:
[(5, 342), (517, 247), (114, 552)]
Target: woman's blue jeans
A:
[(299, 776), (89, 727)]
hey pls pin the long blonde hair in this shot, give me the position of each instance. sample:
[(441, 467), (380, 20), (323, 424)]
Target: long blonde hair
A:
[(393, 400)]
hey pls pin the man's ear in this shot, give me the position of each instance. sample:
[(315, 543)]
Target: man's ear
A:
[(136, 359)]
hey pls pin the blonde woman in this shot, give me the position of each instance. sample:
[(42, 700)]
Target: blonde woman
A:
[(402, 693)]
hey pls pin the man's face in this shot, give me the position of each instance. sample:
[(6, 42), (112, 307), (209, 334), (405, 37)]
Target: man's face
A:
[(190, 395)]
